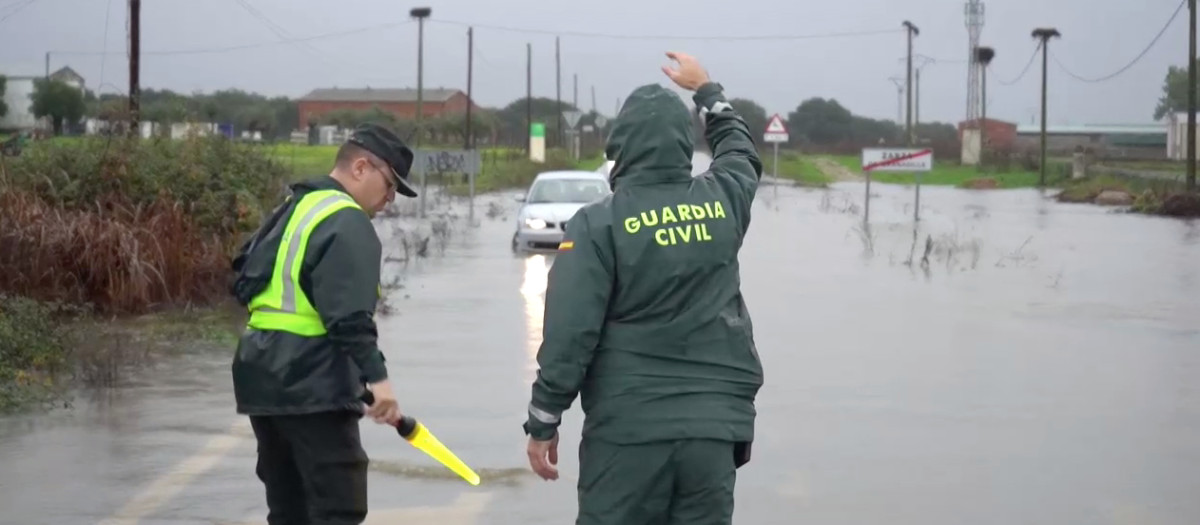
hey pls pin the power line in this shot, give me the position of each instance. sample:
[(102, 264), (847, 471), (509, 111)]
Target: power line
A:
[(17, 7), (1131, 63), (583, 34), (242, 47), (1032, 58), (275, 28)]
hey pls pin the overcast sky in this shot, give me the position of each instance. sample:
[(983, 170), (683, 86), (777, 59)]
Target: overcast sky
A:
[(616, 45)]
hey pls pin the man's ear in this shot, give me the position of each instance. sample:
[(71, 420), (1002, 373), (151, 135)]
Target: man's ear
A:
[(358, 168)]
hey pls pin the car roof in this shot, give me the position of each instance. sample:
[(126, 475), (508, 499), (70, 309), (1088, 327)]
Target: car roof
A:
[(571, 174)]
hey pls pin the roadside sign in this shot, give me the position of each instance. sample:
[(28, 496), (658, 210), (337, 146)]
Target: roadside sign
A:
[(572, 118), (897, 159), (445, 162), (601, 122), (776, 131), (537, 142)]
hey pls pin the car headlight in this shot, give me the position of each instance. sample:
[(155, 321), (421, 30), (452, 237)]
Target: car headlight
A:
[(535, 224)]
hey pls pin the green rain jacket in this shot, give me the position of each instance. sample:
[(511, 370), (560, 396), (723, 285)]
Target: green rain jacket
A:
[(644, 315), (281, 373)]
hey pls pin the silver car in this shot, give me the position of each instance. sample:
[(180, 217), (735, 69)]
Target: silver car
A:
[(552, 199)]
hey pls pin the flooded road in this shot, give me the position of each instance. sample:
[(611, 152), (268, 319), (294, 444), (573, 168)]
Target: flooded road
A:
[(1023, 361)]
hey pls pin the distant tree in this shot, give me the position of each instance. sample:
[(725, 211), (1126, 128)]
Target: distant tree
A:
[(257, 118), (545, 110), (117, 109), (3, 86), (57, 100), (754, 115), (820, 122), (1174, 92), (865, 131)]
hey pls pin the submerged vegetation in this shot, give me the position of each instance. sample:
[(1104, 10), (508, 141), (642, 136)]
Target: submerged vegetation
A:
[(115, 227)]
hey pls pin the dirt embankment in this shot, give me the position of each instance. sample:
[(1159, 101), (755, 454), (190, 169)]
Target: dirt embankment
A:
[(836, 172)]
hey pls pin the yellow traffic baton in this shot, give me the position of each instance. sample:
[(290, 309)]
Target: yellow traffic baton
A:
[(422, 439)]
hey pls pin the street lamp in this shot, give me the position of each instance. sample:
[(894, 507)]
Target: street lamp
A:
[(421, 13), (984, 56)]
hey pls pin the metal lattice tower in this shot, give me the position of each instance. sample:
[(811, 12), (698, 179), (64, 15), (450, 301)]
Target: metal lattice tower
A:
[(974, 19)]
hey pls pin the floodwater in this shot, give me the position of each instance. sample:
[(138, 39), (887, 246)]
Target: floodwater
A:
[(1040, 365)]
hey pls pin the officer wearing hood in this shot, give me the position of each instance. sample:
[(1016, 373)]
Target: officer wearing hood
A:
[(645, 321)]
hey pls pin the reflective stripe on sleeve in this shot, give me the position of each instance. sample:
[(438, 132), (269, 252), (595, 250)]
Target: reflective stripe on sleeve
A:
[(542, 415)]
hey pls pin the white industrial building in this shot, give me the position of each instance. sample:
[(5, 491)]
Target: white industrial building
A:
[(1177, 135), (18, 96), (18, 93)]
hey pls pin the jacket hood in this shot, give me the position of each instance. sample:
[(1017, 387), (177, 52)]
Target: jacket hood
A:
[(651, 140)]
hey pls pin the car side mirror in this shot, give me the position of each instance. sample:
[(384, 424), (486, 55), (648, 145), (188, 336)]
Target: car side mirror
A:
[(520, 197)]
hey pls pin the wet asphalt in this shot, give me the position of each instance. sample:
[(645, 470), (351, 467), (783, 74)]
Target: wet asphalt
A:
[(1023, 361)]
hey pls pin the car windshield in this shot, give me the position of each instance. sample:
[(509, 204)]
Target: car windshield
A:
[(567, 190)]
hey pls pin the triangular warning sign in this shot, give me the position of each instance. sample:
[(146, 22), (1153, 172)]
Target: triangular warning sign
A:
[(776, 125)]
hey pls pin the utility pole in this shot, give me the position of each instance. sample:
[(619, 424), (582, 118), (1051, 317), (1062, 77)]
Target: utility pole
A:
[(135, 39), (576, 140), (984, 56), (421, 13), (558, 131), (470, 139), (1045, 34), (47, 65), (528, 98), (919, 62), (917, 96), (1191, 132), (908, 128), (899, 82), (593, 98)]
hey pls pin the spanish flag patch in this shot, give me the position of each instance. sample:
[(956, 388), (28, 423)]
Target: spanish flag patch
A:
[(566, 245)]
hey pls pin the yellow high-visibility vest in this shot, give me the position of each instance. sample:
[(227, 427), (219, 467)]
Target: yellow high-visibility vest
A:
[(283, 304)]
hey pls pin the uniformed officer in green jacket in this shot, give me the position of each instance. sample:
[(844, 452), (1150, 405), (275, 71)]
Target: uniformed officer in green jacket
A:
[(310, 278), (645, 320)]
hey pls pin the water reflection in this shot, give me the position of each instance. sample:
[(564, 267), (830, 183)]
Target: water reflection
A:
[(533, 291)]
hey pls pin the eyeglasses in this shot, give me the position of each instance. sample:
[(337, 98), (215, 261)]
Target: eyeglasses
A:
[(387, 176)]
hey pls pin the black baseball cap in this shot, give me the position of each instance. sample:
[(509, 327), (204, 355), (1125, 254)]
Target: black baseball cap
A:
[(383, 143)]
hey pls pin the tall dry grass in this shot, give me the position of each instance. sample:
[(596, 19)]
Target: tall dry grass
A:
[(119, 257), (129, 226)]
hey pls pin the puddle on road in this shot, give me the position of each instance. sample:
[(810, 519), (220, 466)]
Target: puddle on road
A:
[(508, 477), (1008, 358)]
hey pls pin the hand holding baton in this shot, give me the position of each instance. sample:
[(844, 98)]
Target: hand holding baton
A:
[(420, 437)]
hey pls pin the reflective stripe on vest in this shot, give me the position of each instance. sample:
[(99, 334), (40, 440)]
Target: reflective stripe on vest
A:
[(283, 305)]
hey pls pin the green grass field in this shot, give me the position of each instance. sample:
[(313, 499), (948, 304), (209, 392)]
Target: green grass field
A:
[(794, 166), (304, 161)]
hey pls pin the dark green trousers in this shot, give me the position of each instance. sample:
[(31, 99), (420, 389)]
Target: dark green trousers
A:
[(669, 483)]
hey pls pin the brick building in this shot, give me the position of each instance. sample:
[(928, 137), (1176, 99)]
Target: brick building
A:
[(1001, 135), (399, 102)]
